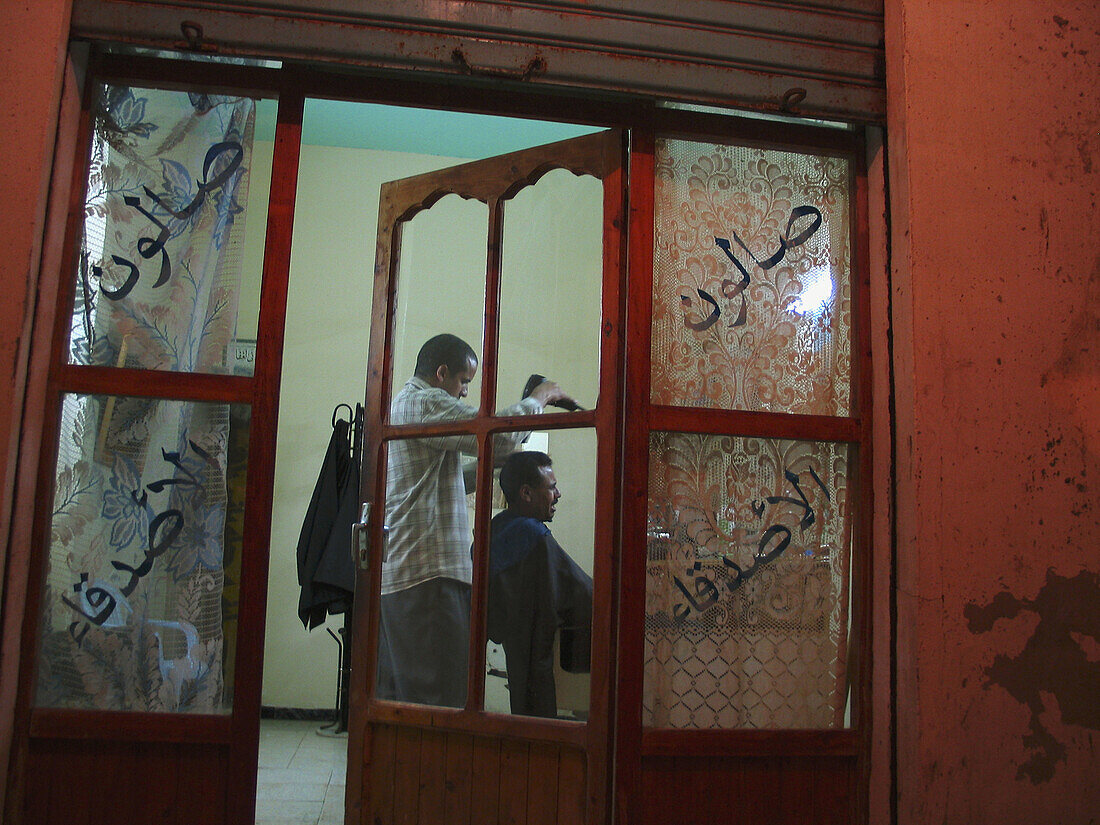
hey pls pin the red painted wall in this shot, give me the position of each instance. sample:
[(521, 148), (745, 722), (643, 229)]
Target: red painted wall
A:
[(994, 132), (32, 61)]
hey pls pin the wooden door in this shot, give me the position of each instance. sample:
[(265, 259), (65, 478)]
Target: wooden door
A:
[(743, 636), (489, 251), (140, 699)]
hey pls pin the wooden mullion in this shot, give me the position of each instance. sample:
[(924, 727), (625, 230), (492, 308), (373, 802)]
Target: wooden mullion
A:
[(485, 425), (161, 73), (491, 329), (141, 383), (263, 436), (748, 743), (756, 424), (479, 723), (483, 495), (127, 726), (633, 506)]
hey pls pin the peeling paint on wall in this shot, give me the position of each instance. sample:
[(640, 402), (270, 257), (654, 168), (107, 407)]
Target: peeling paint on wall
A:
[(1057, 659)]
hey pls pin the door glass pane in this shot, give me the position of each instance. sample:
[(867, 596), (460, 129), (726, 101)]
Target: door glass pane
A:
[(161, 264), (747, 582), (424, 624), (440, 284), (140, 602), (751, 279), (551, 278), (540, 578)]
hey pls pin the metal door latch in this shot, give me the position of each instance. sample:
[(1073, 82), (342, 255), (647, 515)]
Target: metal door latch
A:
[(360, 532)]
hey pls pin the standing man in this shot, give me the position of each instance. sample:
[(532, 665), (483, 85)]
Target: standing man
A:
[(535, 588), (427, 570)]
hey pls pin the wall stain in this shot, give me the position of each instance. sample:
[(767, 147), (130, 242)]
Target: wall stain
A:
[(1053, 660)]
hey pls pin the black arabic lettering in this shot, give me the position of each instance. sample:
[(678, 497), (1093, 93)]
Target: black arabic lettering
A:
[(773, 542), (95, 597), (705, 596), (740, 576), (150, 246), (764, 556), (808, 517), (732, 289), (707, 322), (164, 529), (820, 484), (84, 628)]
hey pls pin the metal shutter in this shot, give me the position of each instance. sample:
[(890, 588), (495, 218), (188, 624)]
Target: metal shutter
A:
[(822, 58)]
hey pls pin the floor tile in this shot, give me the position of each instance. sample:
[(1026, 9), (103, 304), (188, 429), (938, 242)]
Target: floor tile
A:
[(301, 776)]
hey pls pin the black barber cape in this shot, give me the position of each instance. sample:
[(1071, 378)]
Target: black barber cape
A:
[(326, 571), (535, 589)]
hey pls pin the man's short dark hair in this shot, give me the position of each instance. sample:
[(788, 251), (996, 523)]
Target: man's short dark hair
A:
[(444, 350), (523, 467)]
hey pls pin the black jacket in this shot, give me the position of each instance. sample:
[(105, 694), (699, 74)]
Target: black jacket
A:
[(326, 571)]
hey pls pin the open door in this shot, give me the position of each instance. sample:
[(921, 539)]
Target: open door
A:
[(520, 256)]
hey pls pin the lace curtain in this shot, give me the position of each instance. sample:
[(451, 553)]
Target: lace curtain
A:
[(747, 583), (749, 550), (751, 281), (136, 603)]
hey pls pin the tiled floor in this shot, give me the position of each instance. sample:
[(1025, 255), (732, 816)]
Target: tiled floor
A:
[(301, 774)]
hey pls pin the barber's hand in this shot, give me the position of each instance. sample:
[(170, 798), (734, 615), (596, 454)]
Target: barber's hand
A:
[(549, 392)]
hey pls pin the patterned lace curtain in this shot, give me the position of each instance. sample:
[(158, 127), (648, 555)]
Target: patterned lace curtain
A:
[(747, 583), (136, 604), (749, 549)]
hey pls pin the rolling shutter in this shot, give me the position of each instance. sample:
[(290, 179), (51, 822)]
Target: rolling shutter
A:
[(821, 59)]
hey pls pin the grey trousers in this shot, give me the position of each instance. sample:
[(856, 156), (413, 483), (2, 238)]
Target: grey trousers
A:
[(423, 644)]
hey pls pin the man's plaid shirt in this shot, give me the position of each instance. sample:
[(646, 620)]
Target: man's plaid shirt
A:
[(429, 534)]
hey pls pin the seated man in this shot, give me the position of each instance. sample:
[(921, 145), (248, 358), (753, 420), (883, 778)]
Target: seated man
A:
[(426, 572), (535, 588)]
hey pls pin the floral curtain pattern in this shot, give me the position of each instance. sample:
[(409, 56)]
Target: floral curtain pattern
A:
[(159, 269), (134, 606), (751, 289), (747, 583)]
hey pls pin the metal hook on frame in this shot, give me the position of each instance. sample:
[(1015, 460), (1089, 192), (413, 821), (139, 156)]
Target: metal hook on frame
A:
[(535, 66), (791, 98), (193, 36)]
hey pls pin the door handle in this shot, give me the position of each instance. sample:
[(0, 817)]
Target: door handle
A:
[(360, 532), (360, 538)]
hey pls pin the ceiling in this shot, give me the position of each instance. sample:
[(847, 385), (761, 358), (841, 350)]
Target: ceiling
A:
[(416, 131)]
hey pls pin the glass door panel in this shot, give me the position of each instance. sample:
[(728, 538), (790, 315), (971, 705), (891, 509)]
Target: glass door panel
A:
[(541, 563), (551, 290), (748, 578), (160, 269), (140, 600), (426, 571), (440, 283), (752, 291)]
